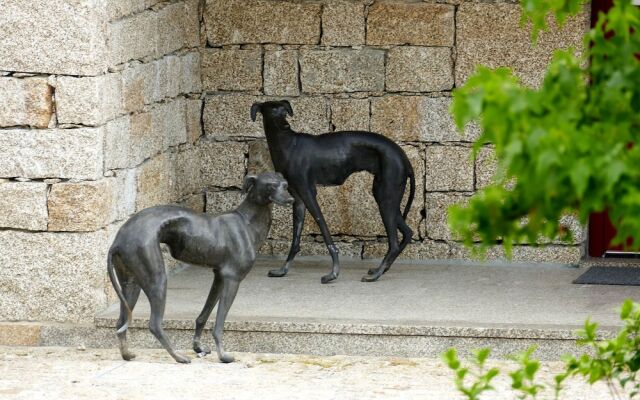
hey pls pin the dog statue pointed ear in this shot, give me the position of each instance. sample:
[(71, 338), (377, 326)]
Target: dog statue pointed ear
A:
[(248, 183), (287, 106), (254, 111)]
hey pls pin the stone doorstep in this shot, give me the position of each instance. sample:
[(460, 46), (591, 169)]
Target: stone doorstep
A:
[(383, 328), (588, 262), (322, 338)]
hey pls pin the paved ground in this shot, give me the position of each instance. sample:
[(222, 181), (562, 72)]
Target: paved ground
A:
[(64, 373), (453, 294)]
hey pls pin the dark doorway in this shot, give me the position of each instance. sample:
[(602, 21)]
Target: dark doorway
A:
[(601, 229)]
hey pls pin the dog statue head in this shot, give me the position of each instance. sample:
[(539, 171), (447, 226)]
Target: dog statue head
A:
[(266, 188), (273, 110)]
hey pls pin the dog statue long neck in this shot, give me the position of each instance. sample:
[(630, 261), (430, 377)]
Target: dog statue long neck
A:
[(280, 136), (257, 217)]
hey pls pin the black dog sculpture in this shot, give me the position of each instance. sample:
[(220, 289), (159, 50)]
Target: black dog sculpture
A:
[(227, 243), (306, 161)]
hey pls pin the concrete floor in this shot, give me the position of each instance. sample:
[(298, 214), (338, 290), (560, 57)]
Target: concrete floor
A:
[(410, 294)]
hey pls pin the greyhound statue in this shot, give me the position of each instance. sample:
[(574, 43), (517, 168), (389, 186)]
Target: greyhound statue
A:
[(307, 161), (227, 243)]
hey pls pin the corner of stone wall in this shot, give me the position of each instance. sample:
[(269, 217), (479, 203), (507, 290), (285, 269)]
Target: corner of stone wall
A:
[(99, 115)]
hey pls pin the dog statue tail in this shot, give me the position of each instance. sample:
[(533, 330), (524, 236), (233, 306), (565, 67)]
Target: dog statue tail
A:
[(118, 289), (412, 190)]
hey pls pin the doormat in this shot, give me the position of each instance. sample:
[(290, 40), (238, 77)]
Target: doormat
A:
[(610, 276)]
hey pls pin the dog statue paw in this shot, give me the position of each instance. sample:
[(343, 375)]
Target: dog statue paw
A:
[(226, 358)]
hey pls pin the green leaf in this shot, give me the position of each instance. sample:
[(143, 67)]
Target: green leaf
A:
[(626, 309), (580, 174)]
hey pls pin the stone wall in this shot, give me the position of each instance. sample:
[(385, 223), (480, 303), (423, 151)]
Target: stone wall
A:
[(385, 66), (99, 101)]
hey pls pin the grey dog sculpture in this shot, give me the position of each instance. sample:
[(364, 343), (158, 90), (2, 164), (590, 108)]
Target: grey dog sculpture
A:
[(227, 243), (307, 161)]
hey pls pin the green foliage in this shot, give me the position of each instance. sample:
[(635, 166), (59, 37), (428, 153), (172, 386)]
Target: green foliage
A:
[(523, 378), (563, 147), (615, 361), (474, 380)]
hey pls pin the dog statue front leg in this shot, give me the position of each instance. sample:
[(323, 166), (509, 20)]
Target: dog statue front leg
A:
[(229, 290), (316, 213), (298, 223)]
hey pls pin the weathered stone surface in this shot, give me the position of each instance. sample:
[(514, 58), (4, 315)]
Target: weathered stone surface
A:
[(19, 334), (491, 35), (168, 77), (84, 206), (343, 23), (427, 250), (25, 102), (117, 9), (342, 70), (398, 117), (229, 115), (117, 143), (192, 23), (419, 69), (171, 28), (219, 202), (126, 192), (449, 168), (437, 125), (437, 205), (422, 24), (259, 21), (311, 115), (52, 153), (151, 3), (194, 113), (88, 100), (417, 118), (140, 86), (196, 202), (222, 164), (191, 73), (156, 182), (187, 173), (530, 254), (486, 166), (23, 205), (52, 276), (146, 136), (281, 73), (133, 38), (169, 121), (259, 158), (314, 248), (231, 69), (55, 37), (350, 114)]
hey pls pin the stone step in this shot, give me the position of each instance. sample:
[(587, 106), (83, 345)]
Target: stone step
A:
[(415, 310)]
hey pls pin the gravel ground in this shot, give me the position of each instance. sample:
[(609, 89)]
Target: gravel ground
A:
[(68, 373)]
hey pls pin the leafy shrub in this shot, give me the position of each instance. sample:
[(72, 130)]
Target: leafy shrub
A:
[(615, 361)]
